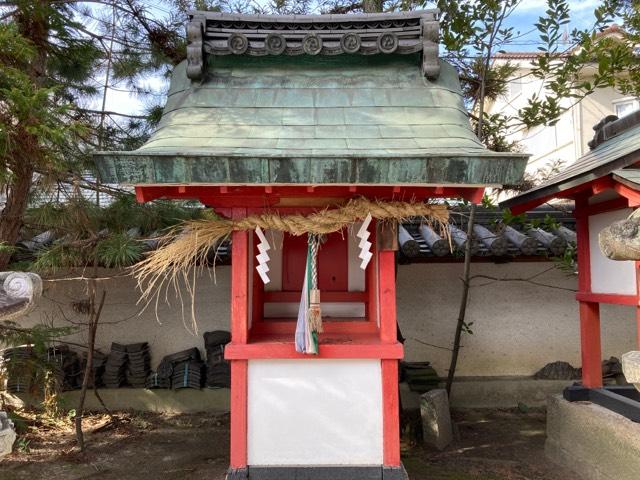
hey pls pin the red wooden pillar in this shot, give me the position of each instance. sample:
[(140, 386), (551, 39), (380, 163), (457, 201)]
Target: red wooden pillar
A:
[(638, 305), (589, 311), (388, 334), (239, 335)]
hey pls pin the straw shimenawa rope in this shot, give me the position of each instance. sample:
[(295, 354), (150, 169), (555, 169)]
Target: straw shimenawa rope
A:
[(186, 247)]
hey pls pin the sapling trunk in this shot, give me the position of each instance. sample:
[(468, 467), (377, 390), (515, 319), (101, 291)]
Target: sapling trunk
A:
[(94, 320), (463, 302)]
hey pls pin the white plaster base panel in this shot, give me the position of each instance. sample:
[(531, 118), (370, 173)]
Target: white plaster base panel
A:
[(314, 412)]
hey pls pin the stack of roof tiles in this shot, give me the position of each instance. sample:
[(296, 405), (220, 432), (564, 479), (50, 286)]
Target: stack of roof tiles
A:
[(66, 366), (18, 363), (115, 368), (218, 369), (182, 369), (139, 364)]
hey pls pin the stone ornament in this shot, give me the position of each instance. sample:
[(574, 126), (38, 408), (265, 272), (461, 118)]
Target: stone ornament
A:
[(238, 43), (631, 368), (388, 42), (18, 293), (7, 434), (275, 44), (312, 44), (350, 43)]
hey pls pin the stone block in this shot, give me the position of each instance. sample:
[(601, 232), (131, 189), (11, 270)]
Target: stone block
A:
[(436, 419), (7, 435), (631, 368), (591, 440)]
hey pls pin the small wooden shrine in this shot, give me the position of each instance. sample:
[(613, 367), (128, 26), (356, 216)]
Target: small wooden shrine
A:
[(302, 115), (605, 185)]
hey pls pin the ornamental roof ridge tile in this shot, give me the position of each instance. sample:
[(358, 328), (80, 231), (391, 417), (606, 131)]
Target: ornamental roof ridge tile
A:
[(217, 33)]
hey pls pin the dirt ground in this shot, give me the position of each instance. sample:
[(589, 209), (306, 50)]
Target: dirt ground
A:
[(491, 445)]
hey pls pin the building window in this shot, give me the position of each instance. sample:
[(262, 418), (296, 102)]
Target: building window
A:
[(626, 106)]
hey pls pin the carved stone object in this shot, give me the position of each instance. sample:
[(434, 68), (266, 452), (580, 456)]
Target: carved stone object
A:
[(631, 368), (621, 239), (7, 434), (18, 293)]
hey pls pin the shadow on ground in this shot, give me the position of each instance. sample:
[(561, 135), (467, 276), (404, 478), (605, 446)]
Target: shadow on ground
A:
[(491, 445)]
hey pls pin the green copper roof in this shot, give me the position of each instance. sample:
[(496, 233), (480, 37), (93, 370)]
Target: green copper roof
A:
[(314, 119)]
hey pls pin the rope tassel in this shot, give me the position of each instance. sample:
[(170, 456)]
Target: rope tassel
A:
[(309, 323)]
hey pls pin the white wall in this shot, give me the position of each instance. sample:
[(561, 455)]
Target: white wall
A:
[(314, 412), (609, 276), (518, 327)]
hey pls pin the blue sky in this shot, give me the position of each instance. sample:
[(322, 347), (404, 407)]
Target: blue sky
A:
[(527, 13)]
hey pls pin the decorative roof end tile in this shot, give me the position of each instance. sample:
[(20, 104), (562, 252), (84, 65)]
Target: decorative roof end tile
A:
[(214, 33)]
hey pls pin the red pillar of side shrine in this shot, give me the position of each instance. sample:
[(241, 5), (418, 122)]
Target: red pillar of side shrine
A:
[(605, 186)]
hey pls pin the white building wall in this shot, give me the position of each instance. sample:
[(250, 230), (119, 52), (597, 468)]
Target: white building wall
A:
[(567, 140), (518, 327)]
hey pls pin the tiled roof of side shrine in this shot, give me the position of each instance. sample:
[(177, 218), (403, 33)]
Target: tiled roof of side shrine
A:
[(346, 99)]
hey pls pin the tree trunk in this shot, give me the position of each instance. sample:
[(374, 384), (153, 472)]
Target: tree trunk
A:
[(621, 240), (372, 6), (94, 320), (463, 303), (17, 199), (34, 25)]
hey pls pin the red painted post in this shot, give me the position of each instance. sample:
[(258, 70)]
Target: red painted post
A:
[(239, 335), (638, 305), (389, 334), (372, 279), (589, 311), (238, 421), (387, 295), (390, 414)]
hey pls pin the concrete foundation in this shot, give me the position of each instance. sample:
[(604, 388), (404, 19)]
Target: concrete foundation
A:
[(487, 392), (493, 392), (592, 441), (142, 400)]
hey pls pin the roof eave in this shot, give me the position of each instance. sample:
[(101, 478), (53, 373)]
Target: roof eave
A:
[(482, 169)]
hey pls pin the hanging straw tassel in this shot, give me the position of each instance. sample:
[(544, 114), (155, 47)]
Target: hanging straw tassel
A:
[(315, 314)]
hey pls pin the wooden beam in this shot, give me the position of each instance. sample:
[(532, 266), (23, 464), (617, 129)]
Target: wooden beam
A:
[(632, 195), (294, 297), (607, 206), (279, 349), (610, 298)]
